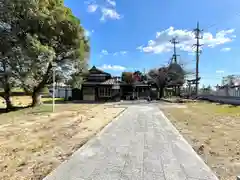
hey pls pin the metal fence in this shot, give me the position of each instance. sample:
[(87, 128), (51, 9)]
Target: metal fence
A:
[(222, 95)]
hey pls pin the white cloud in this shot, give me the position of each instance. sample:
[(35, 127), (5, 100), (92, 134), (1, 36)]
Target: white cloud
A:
[(111, 2), (108, 9), (225, 49), (112, 67), (89, 33), (108, 13), (104, 52), (192, 54), (115, 54), (219, 71), (123, 52), (120, 53), (140, 48), (186, 39), (92, 8)]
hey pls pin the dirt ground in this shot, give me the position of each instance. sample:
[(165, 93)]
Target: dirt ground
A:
[(214, 132), (35, 141)]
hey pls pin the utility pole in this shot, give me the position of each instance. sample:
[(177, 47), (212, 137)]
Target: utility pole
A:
[(174, 42), (198, 36)]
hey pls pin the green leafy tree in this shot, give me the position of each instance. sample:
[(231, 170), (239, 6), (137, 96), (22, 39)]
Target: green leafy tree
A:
[(209, 88), (78, 76), (127, 77), (8, 50), (76, 80), (46, 33)]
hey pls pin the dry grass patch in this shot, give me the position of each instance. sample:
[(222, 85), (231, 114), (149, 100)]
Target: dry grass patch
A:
[(35, 141), (17, 101), (214, 131), (21, 101)]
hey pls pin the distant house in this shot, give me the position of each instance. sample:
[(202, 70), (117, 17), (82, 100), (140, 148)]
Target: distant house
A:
[(61, 91), (98, 86), (101, 86), (230, 86), (227, 90)]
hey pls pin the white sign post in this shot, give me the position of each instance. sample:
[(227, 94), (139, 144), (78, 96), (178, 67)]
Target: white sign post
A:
[(53, 95)]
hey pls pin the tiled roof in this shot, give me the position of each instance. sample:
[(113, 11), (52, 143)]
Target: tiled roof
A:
[(91, 83), (98, 70), (110, 81), (115, 81)]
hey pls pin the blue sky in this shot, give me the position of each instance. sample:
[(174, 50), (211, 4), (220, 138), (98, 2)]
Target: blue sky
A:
[(134, 34)]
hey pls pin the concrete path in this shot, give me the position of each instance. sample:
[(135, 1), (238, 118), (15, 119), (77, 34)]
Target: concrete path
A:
[(141, 144)]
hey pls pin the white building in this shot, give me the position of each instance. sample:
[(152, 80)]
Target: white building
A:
[(61, 91)]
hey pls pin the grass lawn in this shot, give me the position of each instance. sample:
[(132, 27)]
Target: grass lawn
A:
[(214, 132), (35, 141)]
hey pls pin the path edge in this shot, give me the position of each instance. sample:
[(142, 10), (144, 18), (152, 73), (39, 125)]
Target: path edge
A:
[(89, 142), (187, 143)]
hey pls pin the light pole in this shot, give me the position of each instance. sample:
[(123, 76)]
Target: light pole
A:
[(54, 65)]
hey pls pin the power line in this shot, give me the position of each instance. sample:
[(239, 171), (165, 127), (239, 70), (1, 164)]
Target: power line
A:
[(219, 22)]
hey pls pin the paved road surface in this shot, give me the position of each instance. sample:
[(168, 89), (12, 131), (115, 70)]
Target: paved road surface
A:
[(141, 144)]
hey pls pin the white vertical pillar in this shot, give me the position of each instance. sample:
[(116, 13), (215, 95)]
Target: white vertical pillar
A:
[(53, 97)]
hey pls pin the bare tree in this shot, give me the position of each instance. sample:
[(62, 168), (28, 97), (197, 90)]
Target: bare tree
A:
[(174, 74)]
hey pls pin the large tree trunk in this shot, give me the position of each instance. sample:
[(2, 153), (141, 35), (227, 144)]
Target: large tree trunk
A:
[(6, 87), (36, 95), (36, 99), (161, 92), (8, 102), (7, 97)]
